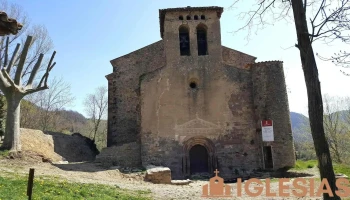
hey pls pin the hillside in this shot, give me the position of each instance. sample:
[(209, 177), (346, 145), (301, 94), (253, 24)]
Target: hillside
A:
[(61, 121), (300, 126), (298, 120)]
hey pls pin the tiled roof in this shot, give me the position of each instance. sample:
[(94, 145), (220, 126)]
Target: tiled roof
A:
[(8, 25), (188, 8)]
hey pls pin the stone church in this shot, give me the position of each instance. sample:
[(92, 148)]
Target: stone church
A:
[(191, 104)]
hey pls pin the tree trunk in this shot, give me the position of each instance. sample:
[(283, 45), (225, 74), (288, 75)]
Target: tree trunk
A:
[(314, 97), (12, 132)]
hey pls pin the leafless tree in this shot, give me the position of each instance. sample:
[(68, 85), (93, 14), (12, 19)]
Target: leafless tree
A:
[(96, 107), (336, 128), (336, 27), (41, 42), (51, 100), (14, 90), (326, 18)]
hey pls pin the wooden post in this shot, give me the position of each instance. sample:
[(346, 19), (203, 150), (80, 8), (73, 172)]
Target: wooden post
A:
[(30, 183)]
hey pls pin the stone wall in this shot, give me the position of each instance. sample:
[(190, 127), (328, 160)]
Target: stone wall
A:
[(124, 155), (155, 116), (271, 102), (123, 92), (220, 109), (171, 35)]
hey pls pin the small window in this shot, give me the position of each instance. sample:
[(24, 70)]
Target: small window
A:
[(181, 17), (184, 39), (202, 17), (193, 85), (188, 17), (196, 17), (268, 159), (202, 44)]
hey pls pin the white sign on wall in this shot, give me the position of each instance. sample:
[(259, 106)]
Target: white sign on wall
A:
[(267, 130)]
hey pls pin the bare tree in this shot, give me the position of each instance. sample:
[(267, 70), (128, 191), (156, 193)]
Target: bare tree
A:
[(41, 42), (51, 100), (336, 128), (14, 90), (96, 107), (326, 17)]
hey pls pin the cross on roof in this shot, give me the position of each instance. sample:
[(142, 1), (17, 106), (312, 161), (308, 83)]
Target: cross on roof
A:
[(216, 172)]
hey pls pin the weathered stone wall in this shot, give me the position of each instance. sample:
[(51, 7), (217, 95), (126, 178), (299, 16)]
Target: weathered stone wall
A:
[(171, 35), (271, 102), (123, 92), (220, 108), (157, 117), (123, 155), (236, 58)]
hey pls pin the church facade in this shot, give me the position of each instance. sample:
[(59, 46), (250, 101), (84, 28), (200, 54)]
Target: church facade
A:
[(191, 104)]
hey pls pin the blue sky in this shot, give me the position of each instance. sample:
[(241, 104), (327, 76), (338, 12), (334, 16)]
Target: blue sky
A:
[(88, 34)]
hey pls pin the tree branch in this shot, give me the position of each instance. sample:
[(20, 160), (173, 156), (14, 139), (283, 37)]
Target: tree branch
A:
[(30, 91), (22, 60), (35, 70), (48, 69), (14, 55), (6, 52), (8, 78)]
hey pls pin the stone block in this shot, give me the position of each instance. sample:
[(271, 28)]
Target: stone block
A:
[(158, 175)]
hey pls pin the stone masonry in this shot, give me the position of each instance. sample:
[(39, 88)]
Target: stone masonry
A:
[(188, 103)]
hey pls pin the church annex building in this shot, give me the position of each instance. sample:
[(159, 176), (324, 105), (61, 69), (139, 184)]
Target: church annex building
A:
[(191, 104)]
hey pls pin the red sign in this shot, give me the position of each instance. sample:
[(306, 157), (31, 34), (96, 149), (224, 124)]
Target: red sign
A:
[(267, 130), (266, 123)]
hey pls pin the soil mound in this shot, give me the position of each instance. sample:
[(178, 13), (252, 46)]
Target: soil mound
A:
[(57, 147)]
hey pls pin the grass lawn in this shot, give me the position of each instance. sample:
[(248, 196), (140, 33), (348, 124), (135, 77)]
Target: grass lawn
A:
[(338, 168), (302, 164), (15, 187)]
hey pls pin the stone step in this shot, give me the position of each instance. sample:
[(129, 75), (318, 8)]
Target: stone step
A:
[(180, 182)]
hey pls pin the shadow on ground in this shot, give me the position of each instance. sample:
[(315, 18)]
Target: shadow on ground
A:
[(74, 148), (83, 167)]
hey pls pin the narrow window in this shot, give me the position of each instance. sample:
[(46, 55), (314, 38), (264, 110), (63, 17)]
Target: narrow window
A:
[(196, 17), (268, 160), (181, 17), (184, 39), (202, 40), (202, 17), (188, 17)]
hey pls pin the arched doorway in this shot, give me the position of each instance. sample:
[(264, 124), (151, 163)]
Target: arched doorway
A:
[(193, 148), (199, 159)]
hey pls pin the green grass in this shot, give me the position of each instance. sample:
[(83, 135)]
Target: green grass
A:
[(338, 168), (4, 153), (342, 169), (15, 187), (302, 165)]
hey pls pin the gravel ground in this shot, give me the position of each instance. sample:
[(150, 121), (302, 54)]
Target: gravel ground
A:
[(92, 173)]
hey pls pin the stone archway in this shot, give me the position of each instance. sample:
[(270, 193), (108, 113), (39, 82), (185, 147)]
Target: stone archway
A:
[(203, 148)]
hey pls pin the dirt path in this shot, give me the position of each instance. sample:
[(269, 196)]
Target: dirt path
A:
[(92, 173)]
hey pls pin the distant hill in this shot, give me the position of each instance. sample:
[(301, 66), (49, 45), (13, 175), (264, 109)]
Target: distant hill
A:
[(300, 126), (73, 116), (298, 120)]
